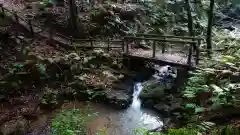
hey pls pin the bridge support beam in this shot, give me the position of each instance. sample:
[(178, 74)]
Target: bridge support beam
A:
[(154, 49), (189, 60)]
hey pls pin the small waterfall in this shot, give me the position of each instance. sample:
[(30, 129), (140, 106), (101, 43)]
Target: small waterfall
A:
[(135, 117), (234, 33), (136, 102)]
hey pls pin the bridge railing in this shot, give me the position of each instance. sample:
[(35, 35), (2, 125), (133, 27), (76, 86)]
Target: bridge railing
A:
[(161, 38), (197, 38), (164, 40), (169, 36), (109, 43)]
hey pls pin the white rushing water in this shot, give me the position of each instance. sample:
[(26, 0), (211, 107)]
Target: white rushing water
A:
[(235, 33), (125, 122), (136, 103), (137, 117)]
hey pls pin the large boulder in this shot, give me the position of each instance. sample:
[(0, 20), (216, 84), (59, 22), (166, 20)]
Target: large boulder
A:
[(118, 99), (163, 79), (152, 89)]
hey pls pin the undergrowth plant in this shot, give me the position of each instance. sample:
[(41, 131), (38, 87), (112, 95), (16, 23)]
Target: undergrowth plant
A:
[(180, 131), (227, 130), (196, 84), (200, 129), (72, 122)]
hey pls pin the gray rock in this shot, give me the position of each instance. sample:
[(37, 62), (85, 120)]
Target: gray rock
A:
[(162, 108), (148, 103), (162, 80), (152, 89), (176, 107), (118, 98), (166, 75)]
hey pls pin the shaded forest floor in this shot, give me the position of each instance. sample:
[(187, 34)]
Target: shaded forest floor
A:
[(47, 54)]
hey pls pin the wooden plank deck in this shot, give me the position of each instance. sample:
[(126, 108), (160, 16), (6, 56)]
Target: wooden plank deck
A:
[(177, 57), (174, 57)]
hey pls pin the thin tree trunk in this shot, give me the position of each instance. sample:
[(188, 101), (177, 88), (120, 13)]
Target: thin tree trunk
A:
[(209, 28), (73, 16), (190, 29), (190, 19)]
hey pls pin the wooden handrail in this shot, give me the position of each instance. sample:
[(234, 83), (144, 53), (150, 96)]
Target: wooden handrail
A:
[(169, 36), (97, 40), (163, 40), (80, 46)]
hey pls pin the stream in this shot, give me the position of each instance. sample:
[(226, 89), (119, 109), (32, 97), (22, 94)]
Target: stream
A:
[(113, 121), (126, 121)]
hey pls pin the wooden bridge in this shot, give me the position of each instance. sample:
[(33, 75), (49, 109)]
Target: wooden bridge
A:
[(167, 49), (173, 50)]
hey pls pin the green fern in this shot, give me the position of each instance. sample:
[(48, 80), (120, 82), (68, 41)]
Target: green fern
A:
[(195, 84), (71, 122), (180, 131)]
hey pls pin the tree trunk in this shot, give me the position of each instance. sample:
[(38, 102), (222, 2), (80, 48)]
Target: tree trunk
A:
[(209, 28), (190, 29), (72, 16), (190, 19)]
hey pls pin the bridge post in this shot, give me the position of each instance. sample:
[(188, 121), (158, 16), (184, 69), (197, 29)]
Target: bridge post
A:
[(71, 40), (190, 54), (127, 47), (91, 42), (197, 52), (123, 46), (164, 45), (108, 43), (154, 49)]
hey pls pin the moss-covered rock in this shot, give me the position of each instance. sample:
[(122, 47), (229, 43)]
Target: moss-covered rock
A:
[(163, 79), (152, 89)]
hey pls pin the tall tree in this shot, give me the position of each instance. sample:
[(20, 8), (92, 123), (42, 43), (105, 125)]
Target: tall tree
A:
[(72, 15), (190, 19), (209, 27), (190, 29)]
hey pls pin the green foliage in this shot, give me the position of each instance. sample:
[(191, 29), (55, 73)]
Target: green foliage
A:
[(49, 96), (204, 87), (143, 131), (71, 122), (227, 130), (225, 96), (204, 126), (102, 132), (196, 84), (45, 2), (23, 75), (194, 129), (180, 131), (213, 88), (68, 123)]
